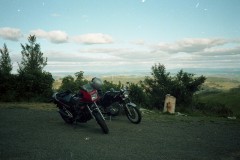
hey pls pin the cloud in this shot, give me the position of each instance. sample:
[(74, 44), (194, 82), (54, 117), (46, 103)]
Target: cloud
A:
[(13, 34), (39, 33), (139, 42), (55, 36), (104, 50), (190, 45), (58, 36), (125, 54), (185, 53), (199, 53), (80, 57), (221, 51), (93, 38)]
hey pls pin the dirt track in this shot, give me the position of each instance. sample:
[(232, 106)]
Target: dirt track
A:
[(27, 134)]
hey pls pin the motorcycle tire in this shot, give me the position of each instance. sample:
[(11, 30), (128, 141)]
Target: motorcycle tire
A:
[(101, 122), (64, 114), (135, 116)]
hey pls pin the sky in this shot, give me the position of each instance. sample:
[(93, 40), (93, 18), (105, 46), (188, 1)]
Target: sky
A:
[(124, 36)]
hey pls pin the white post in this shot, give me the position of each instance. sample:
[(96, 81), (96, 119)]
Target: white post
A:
[(169, 104)]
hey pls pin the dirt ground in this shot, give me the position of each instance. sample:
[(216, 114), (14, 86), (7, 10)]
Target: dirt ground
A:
[(28, 134)]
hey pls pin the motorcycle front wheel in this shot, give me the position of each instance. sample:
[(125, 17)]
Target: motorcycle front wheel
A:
[(133, 114), (66, 116), (101, 122)]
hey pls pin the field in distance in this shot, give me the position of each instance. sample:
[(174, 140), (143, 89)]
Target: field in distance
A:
[(221, 83), (113, 79)]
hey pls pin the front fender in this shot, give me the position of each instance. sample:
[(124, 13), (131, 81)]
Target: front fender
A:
[(131, 105)]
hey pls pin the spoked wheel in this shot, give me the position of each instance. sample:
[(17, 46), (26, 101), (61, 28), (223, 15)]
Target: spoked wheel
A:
[(66, 116), (101, 122), (133, 114)]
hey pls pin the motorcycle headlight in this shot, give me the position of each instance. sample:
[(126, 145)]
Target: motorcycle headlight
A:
[(94, 96), (125, 94)]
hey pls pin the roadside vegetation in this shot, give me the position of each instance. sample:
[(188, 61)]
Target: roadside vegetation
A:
[(31, 83), (194, 94), (219, 102)]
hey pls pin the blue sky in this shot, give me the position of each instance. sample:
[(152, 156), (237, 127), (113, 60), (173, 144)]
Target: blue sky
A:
[(124, 35)]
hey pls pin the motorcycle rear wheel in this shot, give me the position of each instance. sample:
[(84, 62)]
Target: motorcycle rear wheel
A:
[(101, 122), (134, 116)]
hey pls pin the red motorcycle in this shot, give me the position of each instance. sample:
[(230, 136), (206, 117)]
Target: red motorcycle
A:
[(80, 107)]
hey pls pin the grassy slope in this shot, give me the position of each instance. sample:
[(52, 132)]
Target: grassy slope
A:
[(230, 99), (224, 95)]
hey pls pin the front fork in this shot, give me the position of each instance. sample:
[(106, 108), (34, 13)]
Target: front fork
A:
[(93, 108)]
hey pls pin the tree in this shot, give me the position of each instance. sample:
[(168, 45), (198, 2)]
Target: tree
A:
[(32, 57), (33, 82), (80, 80), (73, 84), (107, 85), (5, 61), (185, 85), (6, 78), (157, 86), (182, 86), (68, 84), (136, 94)]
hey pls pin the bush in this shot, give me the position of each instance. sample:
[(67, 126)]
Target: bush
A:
[(137, 95), (73, 83), (182, 86), (108, 85)]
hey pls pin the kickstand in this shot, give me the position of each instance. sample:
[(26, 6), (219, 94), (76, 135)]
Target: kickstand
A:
[(75, 122)]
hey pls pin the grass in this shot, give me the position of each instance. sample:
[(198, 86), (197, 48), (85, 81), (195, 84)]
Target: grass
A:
[(25, 105), (230, 98), (177, 117)]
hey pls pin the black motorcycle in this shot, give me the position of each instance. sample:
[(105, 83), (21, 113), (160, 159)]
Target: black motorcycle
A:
[(112, 102), (80, 107)]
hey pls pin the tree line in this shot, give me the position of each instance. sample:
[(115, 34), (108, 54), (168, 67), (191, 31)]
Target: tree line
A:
[(32, 83), (149, 93)]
